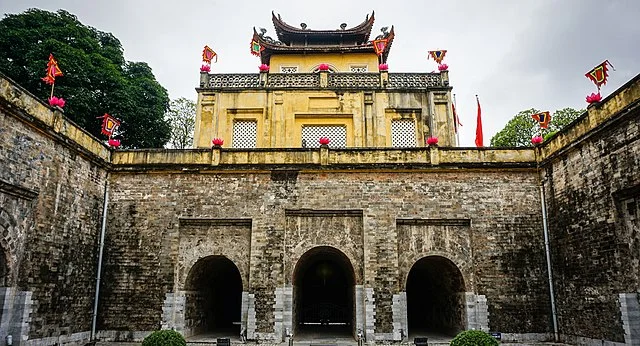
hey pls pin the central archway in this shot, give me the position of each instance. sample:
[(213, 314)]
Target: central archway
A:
[(435, 297), (213, 298), (324, 290)]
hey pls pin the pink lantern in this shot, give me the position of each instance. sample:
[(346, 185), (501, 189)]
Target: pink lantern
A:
[(114, 143), (56, 102), (593, 98), (443, 67), (205, 68), (324, 141), (323, 67), (264, 68), (383, 67), (536, 140), (217, 142)]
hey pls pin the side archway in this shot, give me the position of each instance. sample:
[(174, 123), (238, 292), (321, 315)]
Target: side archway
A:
[(213, 297), (435, 297)]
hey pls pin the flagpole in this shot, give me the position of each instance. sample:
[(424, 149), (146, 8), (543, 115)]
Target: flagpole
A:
[(455, 122), (52, 85)]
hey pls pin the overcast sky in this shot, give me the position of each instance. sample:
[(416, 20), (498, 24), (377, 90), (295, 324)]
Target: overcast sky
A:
[(514, 54)]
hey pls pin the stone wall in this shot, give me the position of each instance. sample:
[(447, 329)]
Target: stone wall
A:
[(51, 198), (592, 193), (492, 230)]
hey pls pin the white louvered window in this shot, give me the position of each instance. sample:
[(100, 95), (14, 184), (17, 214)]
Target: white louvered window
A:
[(244, 134), (288, 69), (311, 136), (403, 133), (359, 69)]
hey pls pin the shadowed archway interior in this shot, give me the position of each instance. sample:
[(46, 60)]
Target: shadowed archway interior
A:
[(435, 297), (324, 294), (213, 297)]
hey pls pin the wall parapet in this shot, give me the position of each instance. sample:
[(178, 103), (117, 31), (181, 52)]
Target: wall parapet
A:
[(595, 118), (298, 158), (23, 105), (359, 81)]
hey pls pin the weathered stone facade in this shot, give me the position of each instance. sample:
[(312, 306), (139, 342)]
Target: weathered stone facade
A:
[(593, 190), (468, 219), (51, 198)]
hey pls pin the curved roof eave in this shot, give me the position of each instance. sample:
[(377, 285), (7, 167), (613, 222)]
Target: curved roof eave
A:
[(283, 29)]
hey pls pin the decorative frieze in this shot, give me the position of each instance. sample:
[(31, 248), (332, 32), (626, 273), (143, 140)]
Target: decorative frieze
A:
[(312, 81)]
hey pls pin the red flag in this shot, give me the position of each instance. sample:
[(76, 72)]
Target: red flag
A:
[(543, 118), (53, 71), (600, 73), (456, 120), (479, 142), (109, 124)]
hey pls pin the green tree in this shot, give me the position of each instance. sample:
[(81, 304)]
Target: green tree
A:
[(520, 129), (97, 79), (182, 117)]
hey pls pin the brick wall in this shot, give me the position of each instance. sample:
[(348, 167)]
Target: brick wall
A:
[(51, 198), (594, 251), (502, 256)]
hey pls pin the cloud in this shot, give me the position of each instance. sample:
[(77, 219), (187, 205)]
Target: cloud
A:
[(514, 54)]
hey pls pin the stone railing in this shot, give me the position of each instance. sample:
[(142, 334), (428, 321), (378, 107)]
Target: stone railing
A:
[(366, 81), (366, 158)]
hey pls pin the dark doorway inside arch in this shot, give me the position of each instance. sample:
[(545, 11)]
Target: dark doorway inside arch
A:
[(4, 270), (324, 295), (435, 297), (213, 298)]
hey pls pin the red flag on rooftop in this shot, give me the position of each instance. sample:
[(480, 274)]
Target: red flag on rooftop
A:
[(53, 71), (543, 118), (208, 54), (479, 139), (600, 73), (456, 120), (109, 124)]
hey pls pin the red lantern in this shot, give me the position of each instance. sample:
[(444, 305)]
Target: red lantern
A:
[(264, 68), (383, 67), (536, 140), (323, 67), (443, 67), (432, 140), (324, 141), (217, 142)]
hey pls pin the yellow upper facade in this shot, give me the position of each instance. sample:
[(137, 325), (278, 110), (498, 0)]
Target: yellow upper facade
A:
[(353, 103)]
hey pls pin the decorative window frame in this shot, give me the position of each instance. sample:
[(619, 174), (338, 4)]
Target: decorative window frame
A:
[(315, 119), (360, 68), (284, 67), (242, 114), (414, 114), (233, 133)]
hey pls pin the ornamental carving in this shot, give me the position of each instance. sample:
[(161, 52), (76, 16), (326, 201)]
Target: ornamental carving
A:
[(293, 80), (234, 80), (406, 81), (413, 80), (354, 80)]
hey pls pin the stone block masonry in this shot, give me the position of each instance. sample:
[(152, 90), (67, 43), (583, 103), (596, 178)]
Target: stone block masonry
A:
[(500, 251), (468, 220), (593, 191), (51, 198)]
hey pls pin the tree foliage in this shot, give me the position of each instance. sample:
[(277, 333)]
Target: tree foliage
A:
[(182, 118), (473, 338), (164, 338), (520, 129), (97, 79)]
